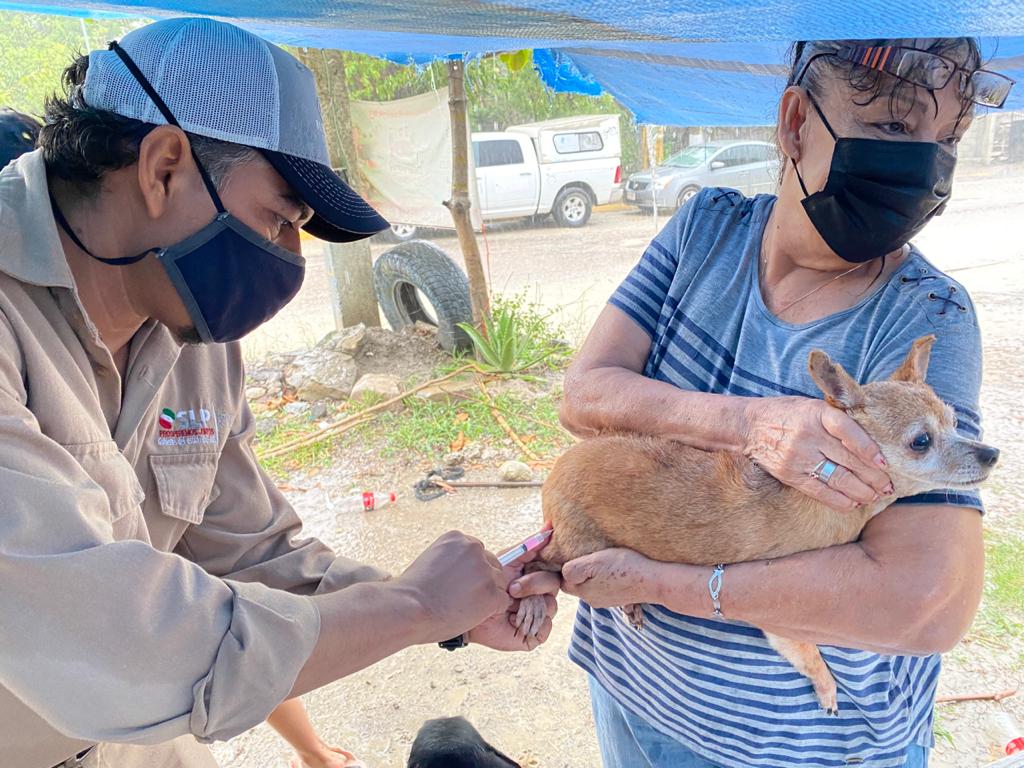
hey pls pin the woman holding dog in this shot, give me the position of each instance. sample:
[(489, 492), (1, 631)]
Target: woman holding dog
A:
[(706, 342)]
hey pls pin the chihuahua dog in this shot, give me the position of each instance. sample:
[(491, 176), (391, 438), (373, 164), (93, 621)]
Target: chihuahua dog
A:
[(679, 504)]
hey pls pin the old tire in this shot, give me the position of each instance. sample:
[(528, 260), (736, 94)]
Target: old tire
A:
[(417, 281), (572, 207)]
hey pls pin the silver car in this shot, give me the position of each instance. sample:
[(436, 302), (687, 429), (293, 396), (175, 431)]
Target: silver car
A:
[(749, 166)]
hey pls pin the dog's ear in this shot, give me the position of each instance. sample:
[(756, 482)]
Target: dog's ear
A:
[(914, 368), (834, 382)]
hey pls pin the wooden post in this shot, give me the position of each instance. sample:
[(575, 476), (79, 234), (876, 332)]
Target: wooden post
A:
[(460, 202), (349, 265)]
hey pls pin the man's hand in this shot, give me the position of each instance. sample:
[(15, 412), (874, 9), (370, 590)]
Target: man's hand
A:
[(500, 631), (612, 578), (458, 584)]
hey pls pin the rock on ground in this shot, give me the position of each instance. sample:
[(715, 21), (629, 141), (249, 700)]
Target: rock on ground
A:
[(384, 385), (515, 472)]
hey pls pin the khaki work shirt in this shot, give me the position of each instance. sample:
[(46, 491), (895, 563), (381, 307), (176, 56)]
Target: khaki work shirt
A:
[(150, 582)]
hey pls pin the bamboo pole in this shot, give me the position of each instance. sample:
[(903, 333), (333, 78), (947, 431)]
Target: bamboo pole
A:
[(460, 201)]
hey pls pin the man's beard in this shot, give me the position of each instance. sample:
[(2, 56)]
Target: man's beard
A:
[(189, 336)]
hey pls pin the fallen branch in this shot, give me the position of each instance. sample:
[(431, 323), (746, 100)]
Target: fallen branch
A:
[(504, 424), (338, 429), (996, 696), (531, 419), (358, 419)]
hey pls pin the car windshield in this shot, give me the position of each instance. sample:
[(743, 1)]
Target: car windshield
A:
[(690, 157)]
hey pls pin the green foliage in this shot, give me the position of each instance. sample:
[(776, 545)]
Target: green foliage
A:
[(1001, 618), (287, 429), (430, 428), (498, 96), (35, 49), (516, 337)]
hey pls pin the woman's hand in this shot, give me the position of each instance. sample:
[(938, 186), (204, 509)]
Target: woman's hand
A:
[(613, 577), (789, 437)]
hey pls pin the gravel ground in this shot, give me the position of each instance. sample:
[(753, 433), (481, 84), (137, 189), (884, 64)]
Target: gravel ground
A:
[(534, 706)]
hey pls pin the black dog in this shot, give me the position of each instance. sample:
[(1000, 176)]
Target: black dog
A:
[(452, 742), (18, 135)]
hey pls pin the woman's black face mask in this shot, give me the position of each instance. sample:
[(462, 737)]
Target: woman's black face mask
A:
[(878, 195)]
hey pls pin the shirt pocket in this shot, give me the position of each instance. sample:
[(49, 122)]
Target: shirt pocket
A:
[(109, 469), (186, 484)]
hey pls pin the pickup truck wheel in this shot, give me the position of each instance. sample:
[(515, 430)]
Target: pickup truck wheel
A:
[(572, 207), (400, 233), (417, 281)]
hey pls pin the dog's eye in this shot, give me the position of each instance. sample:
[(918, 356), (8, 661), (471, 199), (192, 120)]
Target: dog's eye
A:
[(922, 442)]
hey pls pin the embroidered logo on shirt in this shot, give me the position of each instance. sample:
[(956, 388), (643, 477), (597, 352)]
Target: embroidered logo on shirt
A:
[(166, 419), (191, 427)]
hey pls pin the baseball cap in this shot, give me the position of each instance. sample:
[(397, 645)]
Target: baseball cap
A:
[(222, 82)]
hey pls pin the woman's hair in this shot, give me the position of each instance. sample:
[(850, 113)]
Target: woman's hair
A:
[(81, 143), (868, 85)]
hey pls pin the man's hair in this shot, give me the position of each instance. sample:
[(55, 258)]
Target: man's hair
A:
[(81, 143), (18, 134)]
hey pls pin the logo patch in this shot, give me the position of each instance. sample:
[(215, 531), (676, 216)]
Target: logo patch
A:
[(166, 419), (196, 426)]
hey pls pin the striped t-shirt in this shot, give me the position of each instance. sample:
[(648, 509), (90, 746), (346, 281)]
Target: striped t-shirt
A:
[(716, 686)]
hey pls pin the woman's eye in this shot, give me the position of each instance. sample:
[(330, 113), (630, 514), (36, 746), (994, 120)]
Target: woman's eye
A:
[(894, 128), (921, 443)]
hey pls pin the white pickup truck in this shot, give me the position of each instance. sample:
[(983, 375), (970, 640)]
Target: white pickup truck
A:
[(561, 167)]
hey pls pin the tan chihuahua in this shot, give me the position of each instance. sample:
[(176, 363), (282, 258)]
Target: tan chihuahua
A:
[(703, 507)]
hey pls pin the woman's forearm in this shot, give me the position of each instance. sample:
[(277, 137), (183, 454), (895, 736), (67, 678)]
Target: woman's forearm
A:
[(872, 595), (611, 399)]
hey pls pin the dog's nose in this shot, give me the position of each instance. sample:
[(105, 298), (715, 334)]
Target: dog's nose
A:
[(987, 455)]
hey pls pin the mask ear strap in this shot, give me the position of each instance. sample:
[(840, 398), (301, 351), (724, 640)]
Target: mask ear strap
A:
[(822, 116), (62, 221), (168, 116), (831, 133), (800, 178)]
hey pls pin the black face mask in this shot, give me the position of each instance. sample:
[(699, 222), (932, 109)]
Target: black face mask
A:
[(230, 278), (878, 194)]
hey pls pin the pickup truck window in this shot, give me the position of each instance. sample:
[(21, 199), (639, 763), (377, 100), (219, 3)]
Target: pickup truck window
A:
[(570, 143), (497, 152)]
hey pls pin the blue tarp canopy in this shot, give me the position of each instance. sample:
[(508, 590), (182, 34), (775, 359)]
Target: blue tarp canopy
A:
[(676, 62)]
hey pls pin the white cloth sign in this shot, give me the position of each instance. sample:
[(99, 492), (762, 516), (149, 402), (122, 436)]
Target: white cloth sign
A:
[(404, 152)]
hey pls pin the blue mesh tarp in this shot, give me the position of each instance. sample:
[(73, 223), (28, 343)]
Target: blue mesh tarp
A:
[(678, 62)]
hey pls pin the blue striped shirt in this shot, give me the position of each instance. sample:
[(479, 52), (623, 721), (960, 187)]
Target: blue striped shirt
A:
[(717, 686)]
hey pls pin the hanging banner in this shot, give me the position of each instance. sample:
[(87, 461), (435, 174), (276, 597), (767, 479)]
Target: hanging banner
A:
[(404, 154)]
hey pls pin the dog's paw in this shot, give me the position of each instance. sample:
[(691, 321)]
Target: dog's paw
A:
[(827, 696), (635, 614), (530, 616)]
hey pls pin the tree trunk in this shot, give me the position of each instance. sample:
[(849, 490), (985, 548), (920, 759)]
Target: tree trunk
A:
[(460, 202), (349, 265)]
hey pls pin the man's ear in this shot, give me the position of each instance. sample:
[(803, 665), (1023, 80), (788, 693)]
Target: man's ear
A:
[(915, 366), (834, 382), (165, 158)]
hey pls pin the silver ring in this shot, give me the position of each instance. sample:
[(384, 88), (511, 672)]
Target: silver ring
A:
[(824, 470)]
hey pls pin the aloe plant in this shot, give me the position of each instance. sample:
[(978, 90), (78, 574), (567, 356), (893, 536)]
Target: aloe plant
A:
[(504, 347)]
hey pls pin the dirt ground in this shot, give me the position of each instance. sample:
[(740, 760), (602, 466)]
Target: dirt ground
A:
[(535, 706)]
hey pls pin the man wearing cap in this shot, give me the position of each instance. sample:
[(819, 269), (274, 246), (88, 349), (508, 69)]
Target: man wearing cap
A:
[(152, 592)]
